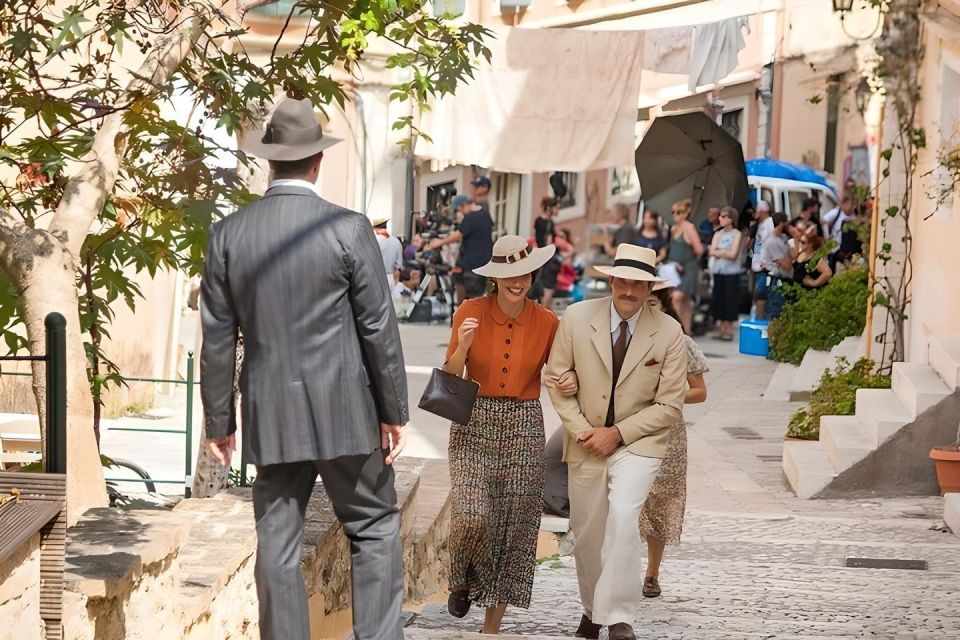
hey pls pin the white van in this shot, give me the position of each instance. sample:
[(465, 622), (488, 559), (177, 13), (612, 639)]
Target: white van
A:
[(788, 195), (785, 185)]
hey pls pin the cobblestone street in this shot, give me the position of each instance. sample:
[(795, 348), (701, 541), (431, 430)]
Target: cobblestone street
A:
[(755, 561)]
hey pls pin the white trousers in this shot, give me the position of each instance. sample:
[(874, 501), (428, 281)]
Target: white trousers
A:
[(606, 497)]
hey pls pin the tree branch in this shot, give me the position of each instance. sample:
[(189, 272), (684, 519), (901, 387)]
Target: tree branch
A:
[(87, 190), (244, 7)]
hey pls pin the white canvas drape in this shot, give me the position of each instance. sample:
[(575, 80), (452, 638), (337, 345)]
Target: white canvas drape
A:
[(550, 100)]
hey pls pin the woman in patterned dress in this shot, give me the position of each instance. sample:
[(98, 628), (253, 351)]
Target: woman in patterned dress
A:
[(502, 340), (661, 520)]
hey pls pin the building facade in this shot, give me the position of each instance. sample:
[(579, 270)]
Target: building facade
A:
[(793, 96)]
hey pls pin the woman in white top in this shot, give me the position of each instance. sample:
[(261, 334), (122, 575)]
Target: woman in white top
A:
[(726, 268)]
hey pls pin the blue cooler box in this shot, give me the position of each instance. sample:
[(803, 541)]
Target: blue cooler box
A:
[(753, 338)]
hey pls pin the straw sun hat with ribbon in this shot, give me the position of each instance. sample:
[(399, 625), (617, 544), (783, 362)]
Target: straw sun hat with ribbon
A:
[(513, 257), (633, 263), (293, 133)]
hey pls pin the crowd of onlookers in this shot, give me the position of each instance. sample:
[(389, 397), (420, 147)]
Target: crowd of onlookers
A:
[(745, 261), (732, 263)]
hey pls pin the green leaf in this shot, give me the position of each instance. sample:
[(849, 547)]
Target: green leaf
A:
[(117, 31), (229, 121), (21, 42), (69, 28), (14, 342)]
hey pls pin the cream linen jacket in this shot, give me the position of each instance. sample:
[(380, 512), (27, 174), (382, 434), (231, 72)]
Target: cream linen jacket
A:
[(649, 394)]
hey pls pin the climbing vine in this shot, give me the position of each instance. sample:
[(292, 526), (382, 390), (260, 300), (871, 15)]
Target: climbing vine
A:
[(900, 49)]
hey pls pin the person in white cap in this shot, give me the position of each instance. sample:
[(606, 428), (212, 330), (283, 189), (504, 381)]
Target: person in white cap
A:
[(501, 341), (631, 361)]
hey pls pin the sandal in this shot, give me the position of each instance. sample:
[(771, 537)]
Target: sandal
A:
[(651, 587)]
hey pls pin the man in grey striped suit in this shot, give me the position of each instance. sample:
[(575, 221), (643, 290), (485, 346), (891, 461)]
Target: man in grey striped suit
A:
[(323, 383)]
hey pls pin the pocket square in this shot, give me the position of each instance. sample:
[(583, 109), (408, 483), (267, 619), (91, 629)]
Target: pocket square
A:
[(651, 363)]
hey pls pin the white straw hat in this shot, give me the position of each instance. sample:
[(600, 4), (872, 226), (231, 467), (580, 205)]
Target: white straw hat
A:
[(513, 257), (633, 263)]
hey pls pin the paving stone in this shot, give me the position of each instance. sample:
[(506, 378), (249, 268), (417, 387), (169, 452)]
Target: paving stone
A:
[(755, 561)]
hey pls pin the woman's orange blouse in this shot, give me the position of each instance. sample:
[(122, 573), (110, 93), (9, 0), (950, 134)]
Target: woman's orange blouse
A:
[(507, 354)]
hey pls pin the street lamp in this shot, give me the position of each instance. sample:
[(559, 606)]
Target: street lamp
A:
[(843, 7)]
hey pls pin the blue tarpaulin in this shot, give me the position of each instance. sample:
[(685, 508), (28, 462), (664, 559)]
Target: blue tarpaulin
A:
[(769, 168)]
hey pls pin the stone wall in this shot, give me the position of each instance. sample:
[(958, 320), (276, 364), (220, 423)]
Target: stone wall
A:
[(188, 573), (20, 593)]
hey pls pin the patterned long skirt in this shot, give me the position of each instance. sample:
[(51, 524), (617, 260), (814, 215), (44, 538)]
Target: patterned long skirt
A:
[(496, 469), (662, 515)]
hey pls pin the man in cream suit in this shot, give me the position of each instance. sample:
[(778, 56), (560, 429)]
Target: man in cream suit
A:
[(632, 364)]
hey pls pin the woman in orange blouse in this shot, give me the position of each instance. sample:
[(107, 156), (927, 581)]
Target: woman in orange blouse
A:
[(496, 461)]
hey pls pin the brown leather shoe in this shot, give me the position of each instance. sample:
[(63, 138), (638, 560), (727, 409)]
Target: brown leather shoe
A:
[(651, 587), (587, 629), (621, 631)]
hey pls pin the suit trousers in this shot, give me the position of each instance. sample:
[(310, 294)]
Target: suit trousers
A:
[(606, 497), (361, 490)]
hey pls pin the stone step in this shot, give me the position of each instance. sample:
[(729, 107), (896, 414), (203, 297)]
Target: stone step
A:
[(779, 387), (851, 348), (808, 375), (433, 495), (844, 441), (917, 386), (945, 359), (807, 467), (951, 512), (881, 414), (424, 556)]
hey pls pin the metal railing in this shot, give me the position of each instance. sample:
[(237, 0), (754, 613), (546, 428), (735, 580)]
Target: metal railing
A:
[(57, 412), (187, 431), (55, 455)]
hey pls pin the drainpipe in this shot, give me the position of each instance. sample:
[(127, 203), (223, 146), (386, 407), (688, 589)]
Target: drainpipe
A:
[(364, 200)]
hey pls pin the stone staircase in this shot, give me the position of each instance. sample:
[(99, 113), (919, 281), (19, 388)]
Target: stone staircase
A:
[(792, 383), (951, 512), (810, 466)]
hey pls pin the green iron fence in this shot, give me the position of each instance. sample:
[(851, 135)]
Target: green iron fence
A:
[(190, 382), (55, 358), (187, 431)]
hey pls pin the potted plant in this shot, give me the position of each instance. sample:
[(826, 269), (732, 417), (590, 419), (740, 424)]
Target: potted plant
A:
[(947, 459)]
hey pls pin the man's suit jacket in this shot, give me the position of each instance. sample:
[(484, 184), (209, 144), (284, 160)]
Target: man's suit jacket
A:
[(303, 280), (649, 392)]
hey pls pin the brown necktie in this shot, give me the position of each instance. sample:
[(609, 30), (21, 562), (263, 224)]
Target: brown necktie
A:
[(619, 353)]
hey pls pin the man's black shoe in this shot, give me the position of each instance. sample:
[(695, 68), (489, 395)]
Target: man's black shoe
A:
[(587, 629)]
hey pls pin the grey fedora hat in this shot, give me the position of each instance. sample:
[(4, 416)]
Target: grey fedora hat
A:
[(293, 133)]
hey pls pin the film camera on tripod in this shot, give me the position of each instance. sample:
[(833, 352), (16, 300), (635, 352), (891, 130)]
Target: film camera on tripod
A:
[(437, 223)]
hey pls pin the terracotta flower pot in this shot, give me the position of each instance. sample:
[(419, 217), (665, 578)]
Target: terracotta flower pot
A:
[(947, 459)]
